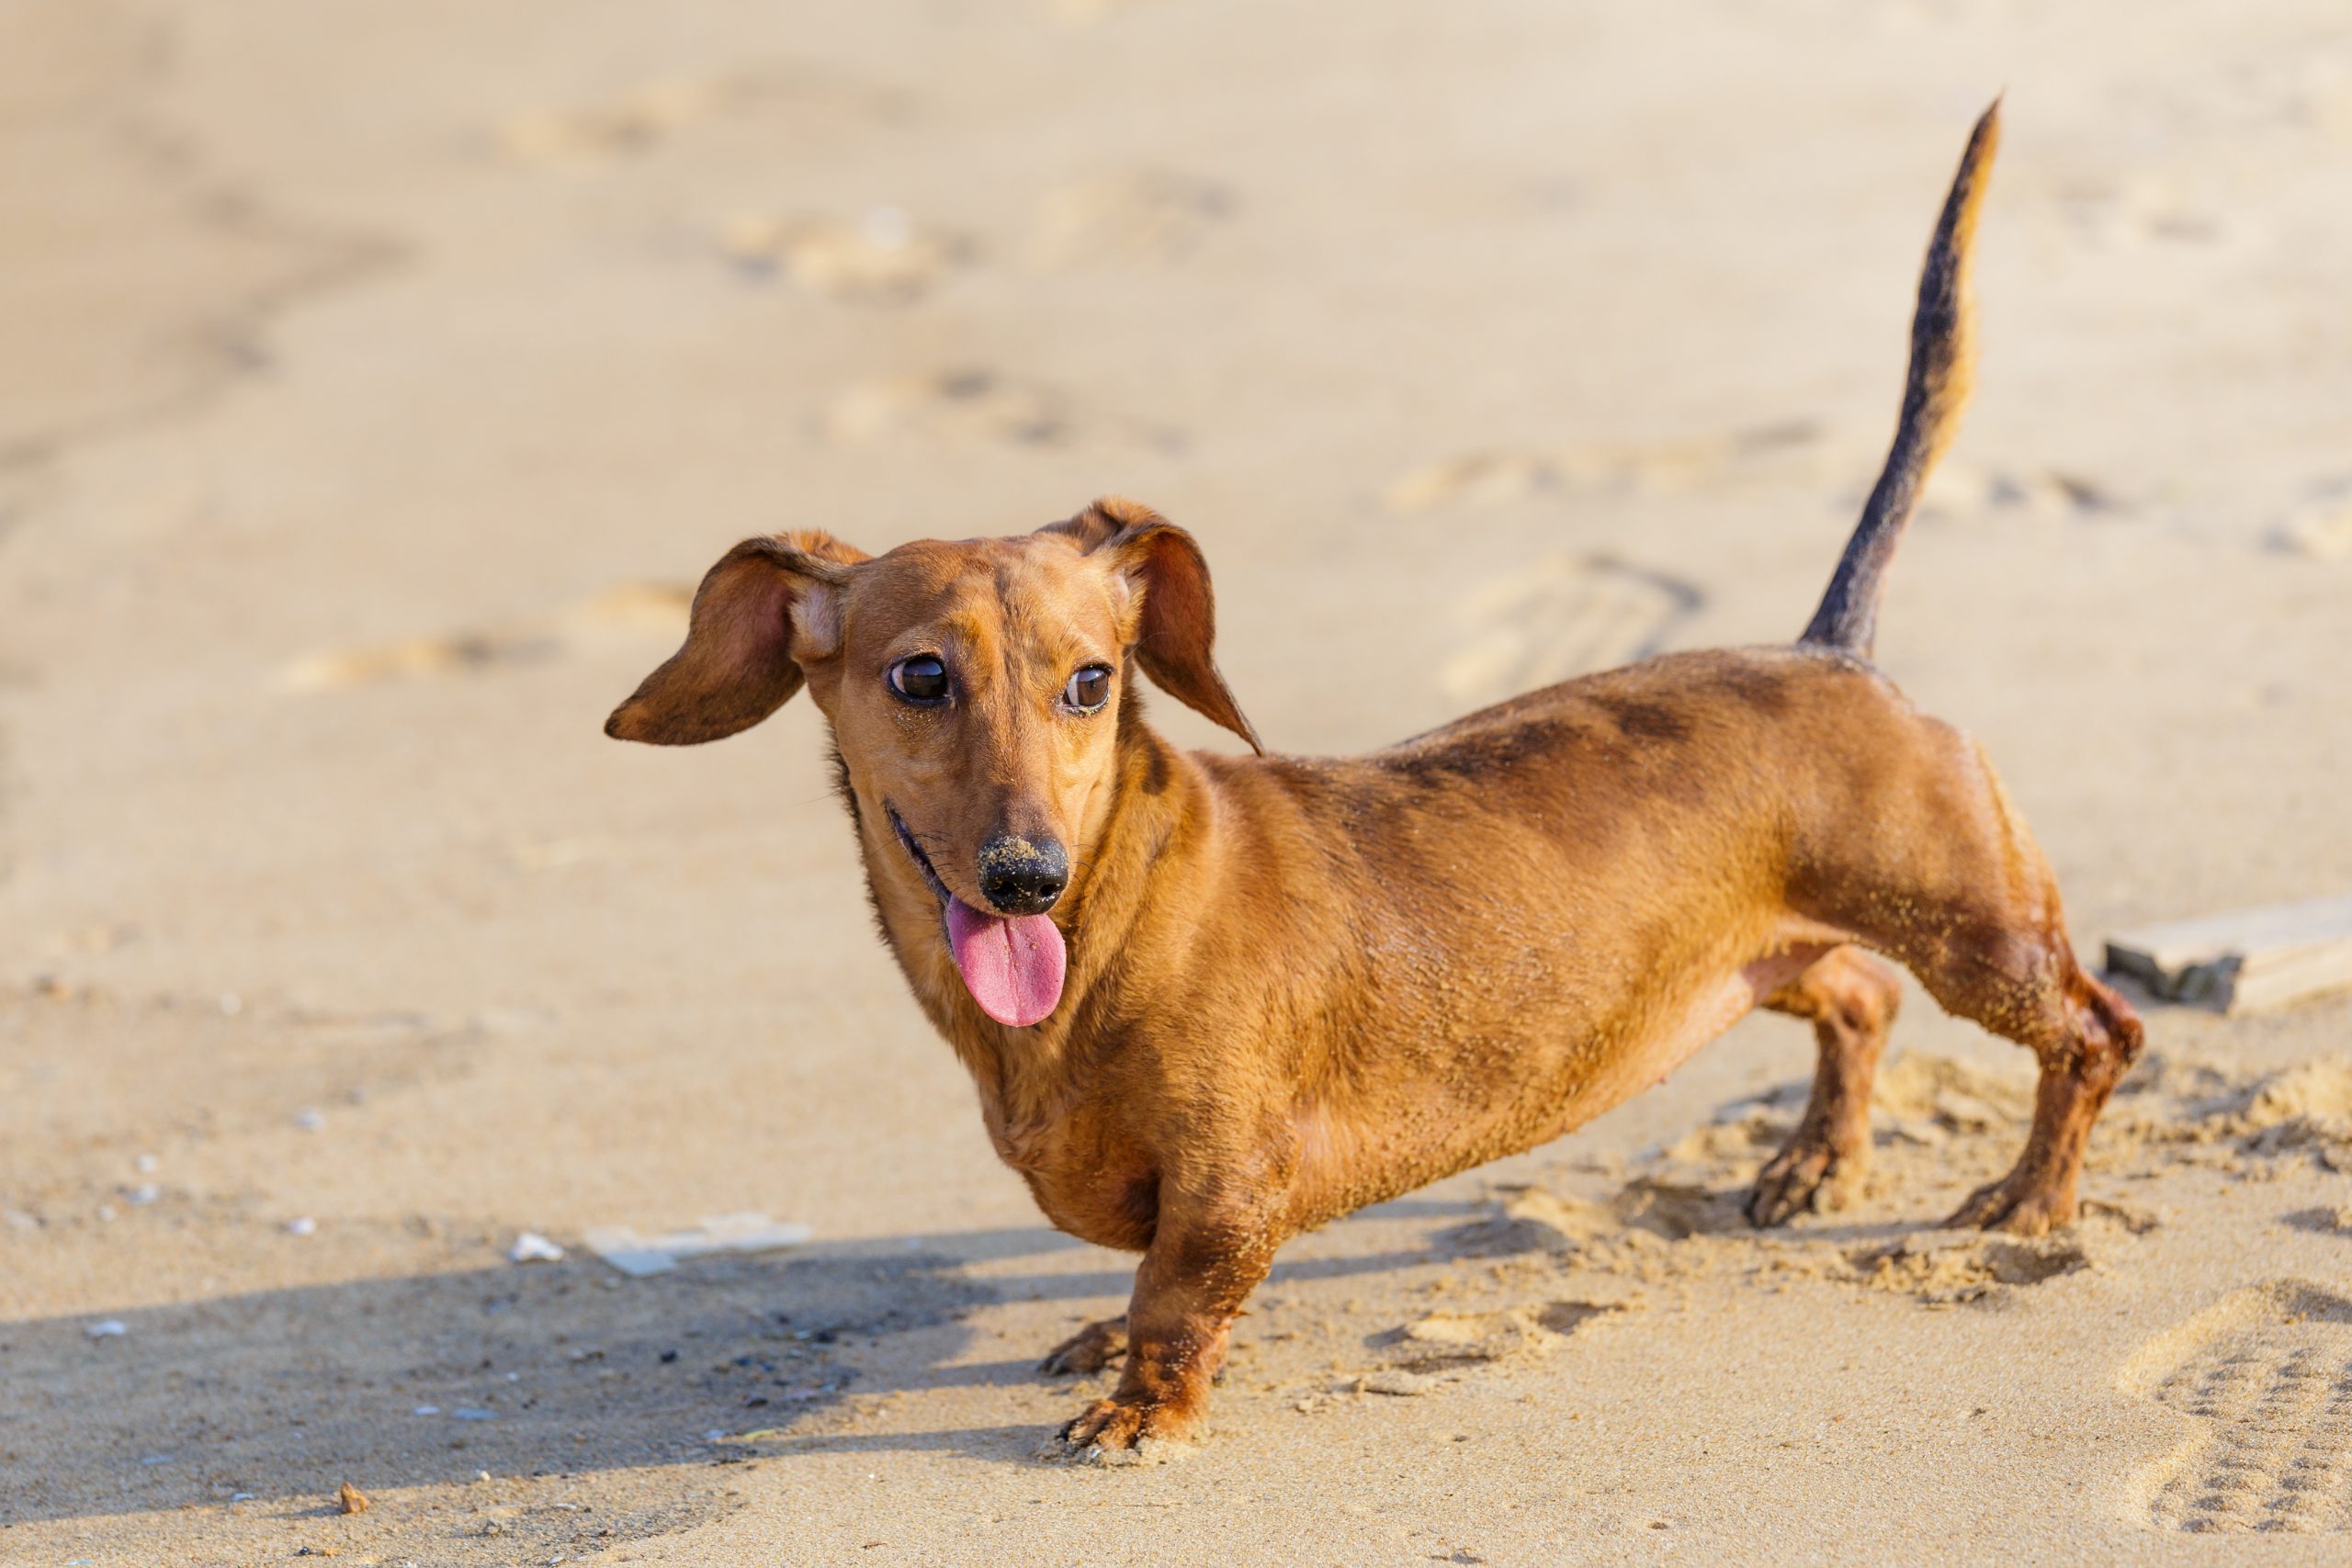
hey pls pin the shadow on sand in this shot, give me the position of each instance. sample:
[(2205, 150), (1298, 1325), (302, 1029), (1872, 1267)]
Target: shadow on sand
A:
[(549, 1370)]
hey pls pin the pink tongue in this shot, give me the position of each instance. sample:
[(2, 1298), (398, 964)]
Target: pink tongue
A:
[(1012, 967)]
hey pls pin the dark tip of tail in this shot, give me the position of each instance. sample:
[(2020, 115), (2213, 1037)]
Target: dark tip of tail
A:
[(1943, 362)]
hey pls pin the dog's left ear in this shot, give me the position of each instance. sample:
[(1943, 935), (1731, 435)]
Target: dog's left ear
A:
[(770, 606), (1176, 626)]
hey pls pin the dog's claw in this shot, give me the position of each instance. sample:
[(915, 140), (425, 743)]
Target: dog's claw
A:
[(1088, 1350), (2020, 1205)]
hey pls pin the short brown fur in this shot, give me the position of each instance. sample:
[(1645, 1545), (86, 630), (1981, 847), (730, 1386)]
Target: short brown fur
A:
[(1297, 986)]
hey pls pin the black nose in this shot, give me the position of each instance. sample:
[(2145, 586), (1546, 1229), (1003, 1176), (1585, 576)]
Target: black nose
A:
[(1023, 876)]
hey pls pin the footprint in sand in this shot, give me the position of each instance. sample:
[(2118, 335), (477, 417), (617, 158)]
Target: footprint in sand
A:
[(1962, 488), (2320, 528), (1798, 453), (974, 405), (2266, 1372), (1443, 1339), (1502, 478), (1133, 215), (652, 609), (1431, 1351), (953, 405), (2144, 211), (883, 258), (644, 118), (1565, 615), (1943, 1268), (1083, 11), (2305, 85)]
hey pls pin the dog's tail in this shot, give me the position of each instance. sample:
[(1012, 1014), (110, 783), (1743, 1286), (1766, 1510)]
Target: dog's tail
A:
[(1943, 362)]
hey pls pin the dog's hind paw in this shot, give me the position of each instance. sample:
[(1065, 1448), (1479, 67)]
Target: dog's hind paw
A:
[(1088, 1350), (2021, 1205), (1801, 1177)]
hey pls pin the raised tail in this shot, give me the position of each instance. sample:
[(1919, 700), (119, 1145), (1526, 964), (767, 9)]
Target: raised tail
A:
[(1943, 363)]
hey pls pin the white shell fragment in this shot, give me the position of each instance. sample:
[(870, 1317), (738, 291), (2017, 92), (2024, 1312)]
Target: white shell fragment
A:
[(533, 1248), (637, 1256)]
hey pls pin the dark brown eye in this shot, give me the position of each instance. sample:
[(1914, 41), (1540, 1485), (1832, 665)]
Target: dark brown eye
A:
[(1089, 689), (921, 679)]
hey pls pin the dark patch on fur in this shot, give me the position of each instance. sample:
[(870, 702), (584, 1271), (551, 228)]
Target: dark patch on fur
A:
[(1481, 754), (1638, 720), (1302, 777), (1767, 691), (1141, 1202)]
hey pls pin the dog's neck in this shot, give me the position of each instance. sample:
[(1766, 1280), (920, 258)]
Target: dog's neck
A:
[(1158, 812)]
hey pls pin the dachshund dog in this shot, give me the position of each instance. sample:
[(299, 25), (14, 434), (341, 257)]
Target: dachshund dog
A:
[(1211, 1000)]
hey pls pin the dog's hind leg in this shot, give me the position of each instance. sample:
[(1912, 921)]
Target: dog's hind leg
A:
[(1851, 998), (1948, 883)]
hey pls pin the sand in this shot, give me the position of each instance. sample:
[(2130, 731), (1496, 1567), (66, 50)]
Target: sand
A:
[(378, 376)]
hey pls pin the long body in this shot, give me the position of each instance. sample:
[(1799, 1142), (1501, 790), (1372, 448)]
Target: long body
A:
[(1211, 1001)]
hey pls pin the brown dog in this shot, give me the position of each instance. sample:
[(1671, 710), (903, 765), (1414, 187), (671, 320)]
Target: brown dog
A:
[(1212, 1001)]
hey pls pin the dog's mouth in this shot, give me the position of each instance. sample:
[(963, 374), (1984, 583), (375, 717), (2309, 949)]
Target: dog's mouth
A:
[(1012, 966)]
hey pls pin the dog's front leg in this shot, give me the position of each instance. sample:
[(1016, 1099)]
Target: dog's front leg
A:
[(1201, 1265)]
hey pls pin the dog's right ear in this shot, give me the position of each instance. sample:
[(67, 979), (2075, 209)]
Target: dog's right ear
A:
[(769, 606)]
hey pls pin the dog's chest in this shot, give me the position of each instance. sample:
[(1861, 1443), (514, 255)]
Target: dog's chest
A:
[(1081, 1180)]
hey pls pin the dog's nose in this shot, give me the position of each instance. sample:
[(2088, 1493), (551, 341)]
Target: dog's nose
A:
[(1023, 876)]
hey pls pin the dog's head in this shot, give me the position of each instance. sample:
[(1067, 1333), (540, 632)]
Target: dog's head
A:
[(974, 690)]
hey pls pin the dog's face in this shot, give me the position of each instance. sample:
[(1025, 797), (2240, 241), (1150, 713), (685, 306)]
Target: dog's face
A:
[(973, 691)]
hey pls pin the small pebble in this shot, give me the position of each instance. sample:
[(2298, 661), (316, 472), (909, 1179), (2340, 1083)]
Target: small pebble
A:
[(304, 1225), (108, 1328)]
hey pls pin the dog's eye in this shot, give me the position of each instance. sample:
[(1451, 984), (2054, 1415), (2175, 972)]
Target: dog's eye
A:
[(920, 679), (1089, 689)]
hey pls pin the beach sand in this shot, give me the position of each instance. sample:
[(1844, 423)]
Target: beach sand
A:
[(379, 377)]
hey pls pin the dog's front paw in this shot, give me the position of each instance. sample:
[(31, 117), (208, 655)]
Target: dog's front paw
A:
[(1120, 1426), (2022, 1205), (1090, 1350)]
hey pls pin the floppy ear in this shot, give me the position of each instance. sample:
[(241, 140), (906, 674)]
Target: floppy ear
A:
[(768, 605), (1176, 629)]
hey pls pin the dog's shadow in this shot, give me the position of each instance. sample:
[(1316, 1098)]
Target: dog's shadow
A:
[(432, 1377)]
